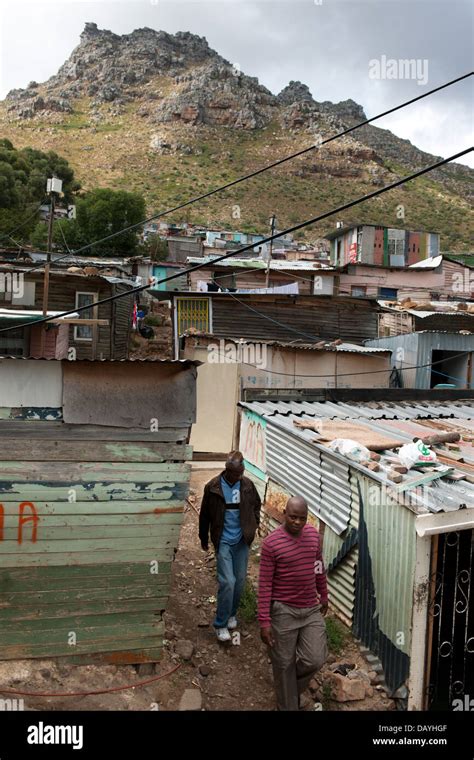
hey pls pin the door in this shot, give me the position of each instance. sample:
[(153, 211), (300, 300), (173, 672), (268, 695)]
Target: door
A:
[(450, 671)]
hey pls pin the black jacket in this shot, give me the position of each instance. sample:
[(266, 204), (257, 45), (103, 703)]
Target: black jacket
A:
[(213, 508)]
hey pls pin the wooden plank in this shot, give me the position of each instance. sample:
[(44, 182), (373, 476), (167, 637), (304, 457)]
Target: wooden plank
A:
[(82, 451), (96, 521), (87, 628), (61, 431), (167, 512), (44, 617), (19, 592), (73, 533), (422, 479), (96, 573), (108, 645), (86, 557), (9, 548), (95, 492), (44, 599), (86, 472), (82, 322)]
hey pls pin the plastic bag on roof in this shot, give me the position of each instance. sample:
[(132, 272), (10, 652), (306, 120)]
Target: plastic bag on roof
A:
[(416, 454), (350, 449)]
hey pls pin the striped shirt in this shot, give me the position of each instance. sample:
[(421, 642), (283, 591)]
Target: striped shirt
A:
[(291, 571)]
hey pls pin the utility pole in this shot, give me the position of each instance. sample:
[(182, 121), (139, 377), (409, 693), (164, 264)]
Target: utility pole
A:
[(54, 185), (272, 227)]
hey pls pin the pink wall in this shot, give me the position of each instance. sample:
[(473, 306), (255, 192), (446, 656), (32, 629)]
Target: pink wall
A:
[(373, 279)]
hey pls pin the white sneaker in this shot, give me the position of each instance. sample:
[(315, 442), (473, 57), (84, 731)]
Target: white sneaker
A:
[(223, 634), (232, 623)]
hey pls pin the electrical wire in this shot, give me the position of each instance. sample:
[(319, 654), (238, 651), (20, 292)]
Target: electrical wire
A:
[(350, 374), (274, 321), (287, 231), (88, 693), (271, 166), (25, 221)]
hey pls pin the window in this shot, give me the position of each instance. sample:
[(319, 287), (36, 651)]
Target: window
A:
[(396, 242), (358, 291), (14, 342), (389, 293), (84, 332), (193, 313)]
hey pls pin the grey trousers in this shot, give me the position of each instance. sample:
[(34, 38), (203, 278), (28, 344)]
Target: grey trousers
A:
[(299, 650)]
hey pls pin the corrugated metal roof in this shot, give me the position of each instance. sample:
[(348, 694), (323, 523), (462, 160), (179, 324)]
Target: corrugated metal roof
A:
[(452, 311), (397, 420), (401, 410), (132, 359), (32, 314), (431, 263), (329, 345), (276, 264)]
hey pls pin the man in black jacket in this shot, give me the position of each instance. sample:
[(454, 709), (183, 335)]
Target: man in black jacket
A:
[(230, 510)]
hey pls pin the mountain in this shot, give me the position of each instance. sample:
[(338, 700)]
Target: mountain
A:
[(166, 115)]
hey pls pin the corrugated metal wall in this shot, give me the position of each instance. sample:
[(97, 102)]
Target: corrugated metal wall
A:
[(385, 579), (122, 309), (305, 471), (294, 464), (416, 349), (341, 561)]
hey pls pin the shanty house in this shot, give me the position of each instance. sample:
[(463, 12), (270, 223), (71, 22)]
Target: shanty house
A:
[(101, 332), (229, 367), (281, 317), (93, 477), (384, 246), (398, 548), (429, 358)]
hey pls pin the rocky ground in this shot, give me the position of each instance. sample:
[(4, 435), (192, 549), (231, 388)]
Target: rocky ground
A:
[(198, 672)]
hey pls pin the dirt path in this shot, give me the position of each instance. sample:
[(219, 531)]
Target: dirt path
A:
[(240, 676), (222, 676)]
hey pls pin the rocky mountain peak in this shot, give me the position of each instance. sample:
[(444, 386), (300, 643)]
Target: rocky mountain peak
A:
[(346, 110), (90, 30), (294, 92)]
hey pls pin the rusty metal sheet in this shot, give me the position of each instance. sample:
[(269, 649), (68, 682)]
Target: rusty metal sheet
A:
[(129, 394)]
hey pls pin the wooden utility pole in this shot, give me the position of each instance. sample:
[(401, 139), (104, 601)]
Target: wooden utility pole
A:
[(48, 259), (272, 227)]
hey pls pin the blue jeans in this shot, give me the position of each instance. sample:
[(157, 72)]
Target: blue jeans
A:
[(232, 561)]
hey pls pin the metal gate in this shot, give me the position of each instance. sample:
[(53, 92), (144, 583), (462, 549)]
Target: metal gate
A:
[(450, 663), (193, 313)]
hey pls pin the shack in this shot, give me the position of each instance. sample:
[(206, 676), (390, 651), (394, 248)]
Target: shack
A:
[(94, 473), (102, 332), (399, 555)]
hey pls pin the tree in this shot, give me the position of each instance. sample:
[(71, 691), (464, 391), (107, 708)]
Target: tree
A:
[(64, 231), (155, 248), (102, 212), (23, 175)]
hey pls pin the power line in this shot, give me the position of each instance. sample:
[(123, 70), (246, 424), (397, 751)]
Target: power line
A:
[(22, 224), (287, 231), (275, 321), (350, 374), (270, 166)]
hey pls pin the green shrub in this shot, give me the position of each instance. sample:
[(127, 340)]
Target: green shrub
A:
[(154, 320), (248, 603), (337, 634)]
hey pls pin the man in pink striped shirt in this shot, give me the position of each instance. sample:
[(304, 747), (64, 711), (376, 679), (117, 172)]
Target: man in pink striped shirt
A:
[(292, 600)]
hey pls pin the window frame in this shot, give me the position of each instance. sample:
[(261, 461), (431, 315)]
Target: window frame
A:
[(95, 297)]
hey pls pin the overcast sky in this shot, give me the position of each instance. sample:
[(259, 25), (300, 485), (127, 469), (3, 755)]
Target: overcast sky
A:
[(327, 44)]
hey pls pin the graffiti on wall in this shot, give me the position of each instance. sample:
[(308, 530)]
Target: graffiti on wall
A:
[(252, 440), (27, 518)]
